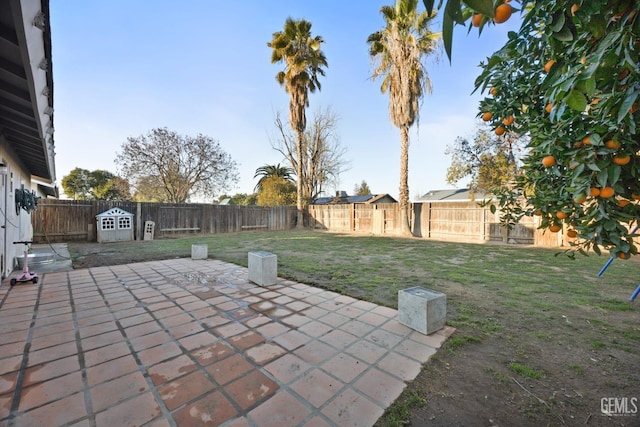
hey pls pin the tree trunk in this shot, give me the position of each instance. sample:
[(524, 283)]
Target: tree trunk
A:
[(301, 183), (405, 229)]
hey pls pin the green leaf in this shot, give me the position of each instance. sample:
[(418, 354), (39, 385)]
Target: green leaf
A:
[(597, 26), (564, 35), (587, 86), (610, 226), (483, 6), (614, 174), (454, 11), (607, 42), (629, 59), (596, 139), (576, 100), (447, 34), (630, 98), (428, 5), (558, 22), (602, 177)]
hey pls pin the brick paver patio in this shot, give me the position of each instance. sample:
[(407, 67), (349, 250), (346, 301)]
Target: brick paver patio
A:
[(190, 343)]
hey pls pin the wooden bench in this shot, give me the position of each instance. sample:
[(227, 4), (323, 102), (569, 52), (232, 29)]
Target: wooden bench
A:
[(245, 227), (181, 229)]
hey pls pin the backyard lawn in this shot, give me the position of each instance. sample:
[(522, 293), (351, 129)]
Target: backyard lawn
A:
[(540, 339)]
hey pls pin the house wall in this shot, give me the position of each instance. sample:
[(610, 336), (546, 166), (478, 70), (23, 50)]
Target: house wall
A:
[(14, 225)]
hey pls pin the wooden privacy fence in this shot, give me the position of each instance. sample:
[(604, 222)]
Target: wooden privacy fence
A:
[(449, 221), (68, 220)]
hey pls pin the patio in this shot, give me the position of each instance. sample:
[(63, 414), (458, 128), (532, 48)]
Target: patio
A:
[(193, 342)]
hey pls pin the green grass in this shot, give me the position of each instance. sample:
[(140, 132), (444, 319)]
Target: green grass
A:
[(526, 371), (456, 342), (576, 368), (524, 296), (398, 413), (530, 280)]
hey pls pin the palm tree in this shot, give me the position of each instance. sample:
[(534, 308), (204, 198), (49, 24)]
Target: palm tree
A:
[(304, 62), (398, 51), (269, 171)]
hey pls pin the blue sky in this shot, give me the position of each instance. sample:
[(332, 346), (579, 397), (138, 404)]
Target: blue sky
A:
[(124, 67)]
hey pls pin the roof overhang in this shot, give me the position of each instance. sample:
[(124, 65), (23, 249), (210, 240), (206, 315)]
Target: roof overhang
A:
[(26, 85)]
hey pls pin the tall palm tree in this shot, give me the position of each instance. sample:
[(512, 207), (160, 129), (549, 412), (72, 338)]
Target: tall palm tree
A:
[(269, 171), (303, 64), (398, 52)]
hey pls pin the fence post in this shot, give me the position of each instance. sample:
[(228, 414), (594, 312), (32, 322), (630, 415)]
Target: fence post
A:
[(138, 221)]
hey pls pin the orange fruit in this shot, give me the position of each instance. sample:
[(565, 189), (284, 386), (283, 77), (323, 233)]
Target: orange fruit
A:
[(493, 91), (623, 202), (623, 255), (594, 192), (586, 140), (476, 20), (500, 130), (555, 228), (580, 199), (538, 212), (572, 234), (487, 116), (635, 196), (508, 121), (549, 107), (607, 192), (578, 144), (574, 9), (502, 13), (622, 160), (561, 215), (612, 144), (548, 65), (549, 161)]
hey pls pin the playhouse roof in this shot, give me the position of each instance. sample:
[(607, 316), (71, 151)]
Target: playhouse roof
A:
[(114, 212)]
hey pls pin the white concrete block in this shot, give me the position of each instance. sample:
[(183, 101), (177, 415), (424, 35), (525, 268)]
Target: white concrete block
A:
[(422, 309), (263, 268), (199, 251)]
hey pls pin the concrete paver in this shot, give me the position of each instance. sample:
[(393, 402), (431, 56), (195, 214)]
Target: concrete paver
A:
[(193, 342)]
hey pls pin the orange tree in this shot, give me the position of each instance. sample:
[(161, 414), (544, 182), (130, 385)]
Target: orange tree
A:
[(570, 78)]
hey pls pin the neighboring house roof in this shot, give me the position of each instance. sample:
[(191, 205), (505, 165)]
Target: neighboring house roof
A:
[(26, 84), (453, 195), (344, 199)]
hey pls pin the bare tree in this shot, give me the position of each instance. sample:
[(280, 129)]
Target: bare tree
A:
[(322, 153), (177, 166)]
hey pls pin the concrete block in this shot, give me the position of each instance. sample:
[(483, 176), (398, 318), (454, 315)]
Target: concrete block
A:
[(199, 251), (422, 309), (263, 268)]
